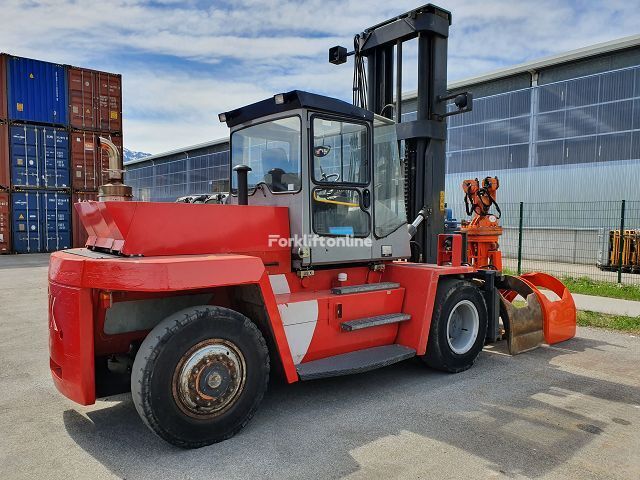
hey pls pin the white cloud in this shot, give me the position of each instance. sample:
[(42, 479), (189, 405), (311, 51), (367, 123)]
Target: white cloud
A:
[(224, 54)]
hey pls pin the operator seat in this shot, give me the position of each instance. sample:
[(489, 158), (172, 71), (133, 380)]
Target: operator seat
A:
[(278, 171)]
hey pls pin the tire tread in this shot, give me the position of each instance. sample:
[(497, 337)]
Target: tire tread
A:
[(151, 348)]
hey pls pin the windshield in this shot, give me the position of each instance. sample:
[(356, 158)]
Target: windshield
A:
[(272, 150), (388, 176)]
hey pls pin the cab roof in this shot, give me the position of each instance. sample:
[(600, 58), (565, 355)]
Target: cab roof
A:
[(293, 100)]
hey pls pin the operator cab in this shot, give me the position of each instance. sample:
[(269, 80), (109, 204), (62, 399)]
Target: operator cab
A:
[(334, 165)]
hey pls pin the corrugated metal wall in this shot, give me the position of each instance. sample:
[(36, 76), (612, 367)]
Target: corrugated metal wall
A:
[(579, 142), (164, 181)]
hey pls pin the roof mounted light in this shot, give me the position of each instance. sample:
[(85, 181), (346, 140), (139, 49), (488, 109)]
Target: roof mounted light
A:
[(279, 98), (222, 117)]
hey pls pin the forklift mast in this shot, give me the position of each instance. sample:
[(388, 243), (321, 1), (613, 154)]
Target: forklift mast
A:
[(424, 138)]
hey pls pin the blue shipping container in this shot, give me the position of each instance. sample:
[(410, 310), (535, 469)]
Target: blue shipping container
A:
[(39, 157), (37, 91), (41, 221)]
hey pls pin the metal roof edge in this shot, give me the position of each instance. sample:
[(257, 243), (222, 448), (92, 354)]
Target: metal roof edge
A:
[(184, 150), (544, 62)]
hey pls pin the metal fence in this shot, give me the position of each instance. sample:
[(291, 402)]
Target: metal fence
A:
[(572, 239)]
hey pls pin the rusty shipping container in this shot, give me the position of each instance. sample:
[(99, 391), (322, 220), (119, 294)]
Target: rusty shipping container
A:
[(3, 86), (88, 162), (95, 100), (79, 233), (5, 223), (5, 175)]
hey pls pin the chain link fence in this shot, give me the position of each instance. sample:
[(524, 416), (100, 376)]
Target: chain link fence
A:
[(571, 239)]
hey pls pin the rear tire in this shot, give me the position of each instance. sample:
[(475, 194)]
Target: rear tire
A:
[(200, 375), (458, 326)]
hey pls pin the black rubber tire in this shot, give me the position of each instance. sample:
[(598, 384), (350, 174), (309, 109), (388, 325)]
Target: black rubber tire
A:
[(439, 354), (156, 361)]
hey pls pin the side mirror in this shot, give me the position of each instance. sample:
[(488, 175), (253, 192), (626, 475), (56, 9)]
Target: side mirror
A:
[(321, 151), (463, 101)]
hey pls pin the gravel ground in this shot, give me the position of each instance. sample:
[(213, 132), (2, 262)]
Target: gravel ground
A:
[(569, 411)]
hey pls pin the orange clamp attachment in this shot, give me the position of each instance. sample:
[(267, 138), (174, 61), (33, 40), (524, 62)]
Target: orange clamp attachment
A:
[(559, 315)]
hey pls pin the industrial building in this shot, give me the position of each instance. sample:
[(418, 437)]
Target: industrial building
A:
[(561, 129)]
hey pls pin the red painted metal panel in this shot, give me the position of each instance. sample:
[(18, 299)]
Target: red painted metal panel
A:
[(95, 100), (71, 358), (3, 86), (151, 229), (73, 278), (328, 338), (156, 274), (5, 174), (89, 163), (5, 223), (80, 235)]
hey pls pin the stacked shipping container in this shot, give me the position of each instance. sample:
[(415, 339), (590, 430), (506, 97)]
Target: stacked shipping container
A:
[(50, 119), (5, 176), (95, 109)]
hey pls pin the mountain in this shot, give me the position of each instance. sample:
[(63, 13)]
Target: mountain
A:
[(130, 155)]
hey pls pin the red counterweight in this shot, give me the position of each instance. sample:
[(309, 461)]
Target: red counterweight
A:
[(483, 231)]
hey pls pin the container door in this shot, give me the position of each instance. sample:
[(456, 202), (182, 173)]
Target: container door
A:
[(82, 95), (26, 222), (84, 165), (56, 221), (109, 102), (26, 150), (55, 158)]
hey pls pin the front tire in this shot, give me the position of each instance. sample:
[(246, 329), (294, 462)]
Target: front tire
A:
[(200, 375), (458, 326)]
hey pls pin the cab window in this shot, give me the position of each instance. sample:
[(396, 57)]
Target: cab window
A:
[(389, 212), (340, 151), (337, 212), (273, 151)]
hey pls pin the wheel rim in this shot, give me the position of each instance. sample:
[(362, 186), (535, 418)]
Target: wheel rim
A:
[(462, 327), (209, 378)]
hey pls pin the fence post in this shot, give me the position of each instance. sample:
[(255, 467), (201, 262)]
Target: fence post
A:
[(621, 244), (520, 239)]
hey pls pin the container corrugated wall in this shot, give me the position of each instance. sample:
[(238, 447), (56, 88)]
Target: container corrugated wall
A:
[(3, 86), (95, 100), (5, 223), (40, 221), (37, 91), (79, 233), (5, 174), (89, 163), (39, 157)]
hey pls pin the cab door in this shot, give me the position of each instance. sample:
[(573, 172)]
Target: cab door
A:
[(339, 189)]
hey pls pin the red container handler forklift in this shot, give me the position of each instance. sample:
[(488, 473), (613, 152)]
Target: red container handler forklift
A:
[(309, 267)]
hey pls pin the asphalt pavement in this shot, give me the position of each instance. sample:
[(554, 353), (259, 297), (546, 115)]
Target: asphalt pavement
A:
[(563, 412)]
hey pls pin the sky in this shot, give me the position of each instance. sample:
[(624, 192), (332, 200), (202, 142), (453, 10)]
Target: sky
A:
[(183, 62)]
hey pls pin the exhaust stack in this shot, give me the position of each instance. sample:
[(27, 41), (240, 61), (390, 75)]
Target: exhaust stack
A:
[(115, 190)]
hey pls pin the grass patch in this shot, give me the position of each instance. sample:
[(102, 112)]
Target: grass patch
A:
[(599, 288), (612, 322), (588, 286)]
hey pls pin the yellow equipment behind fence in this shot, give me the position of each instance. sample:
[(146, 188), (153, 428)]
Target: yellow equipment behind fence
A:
[(630, 246)]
